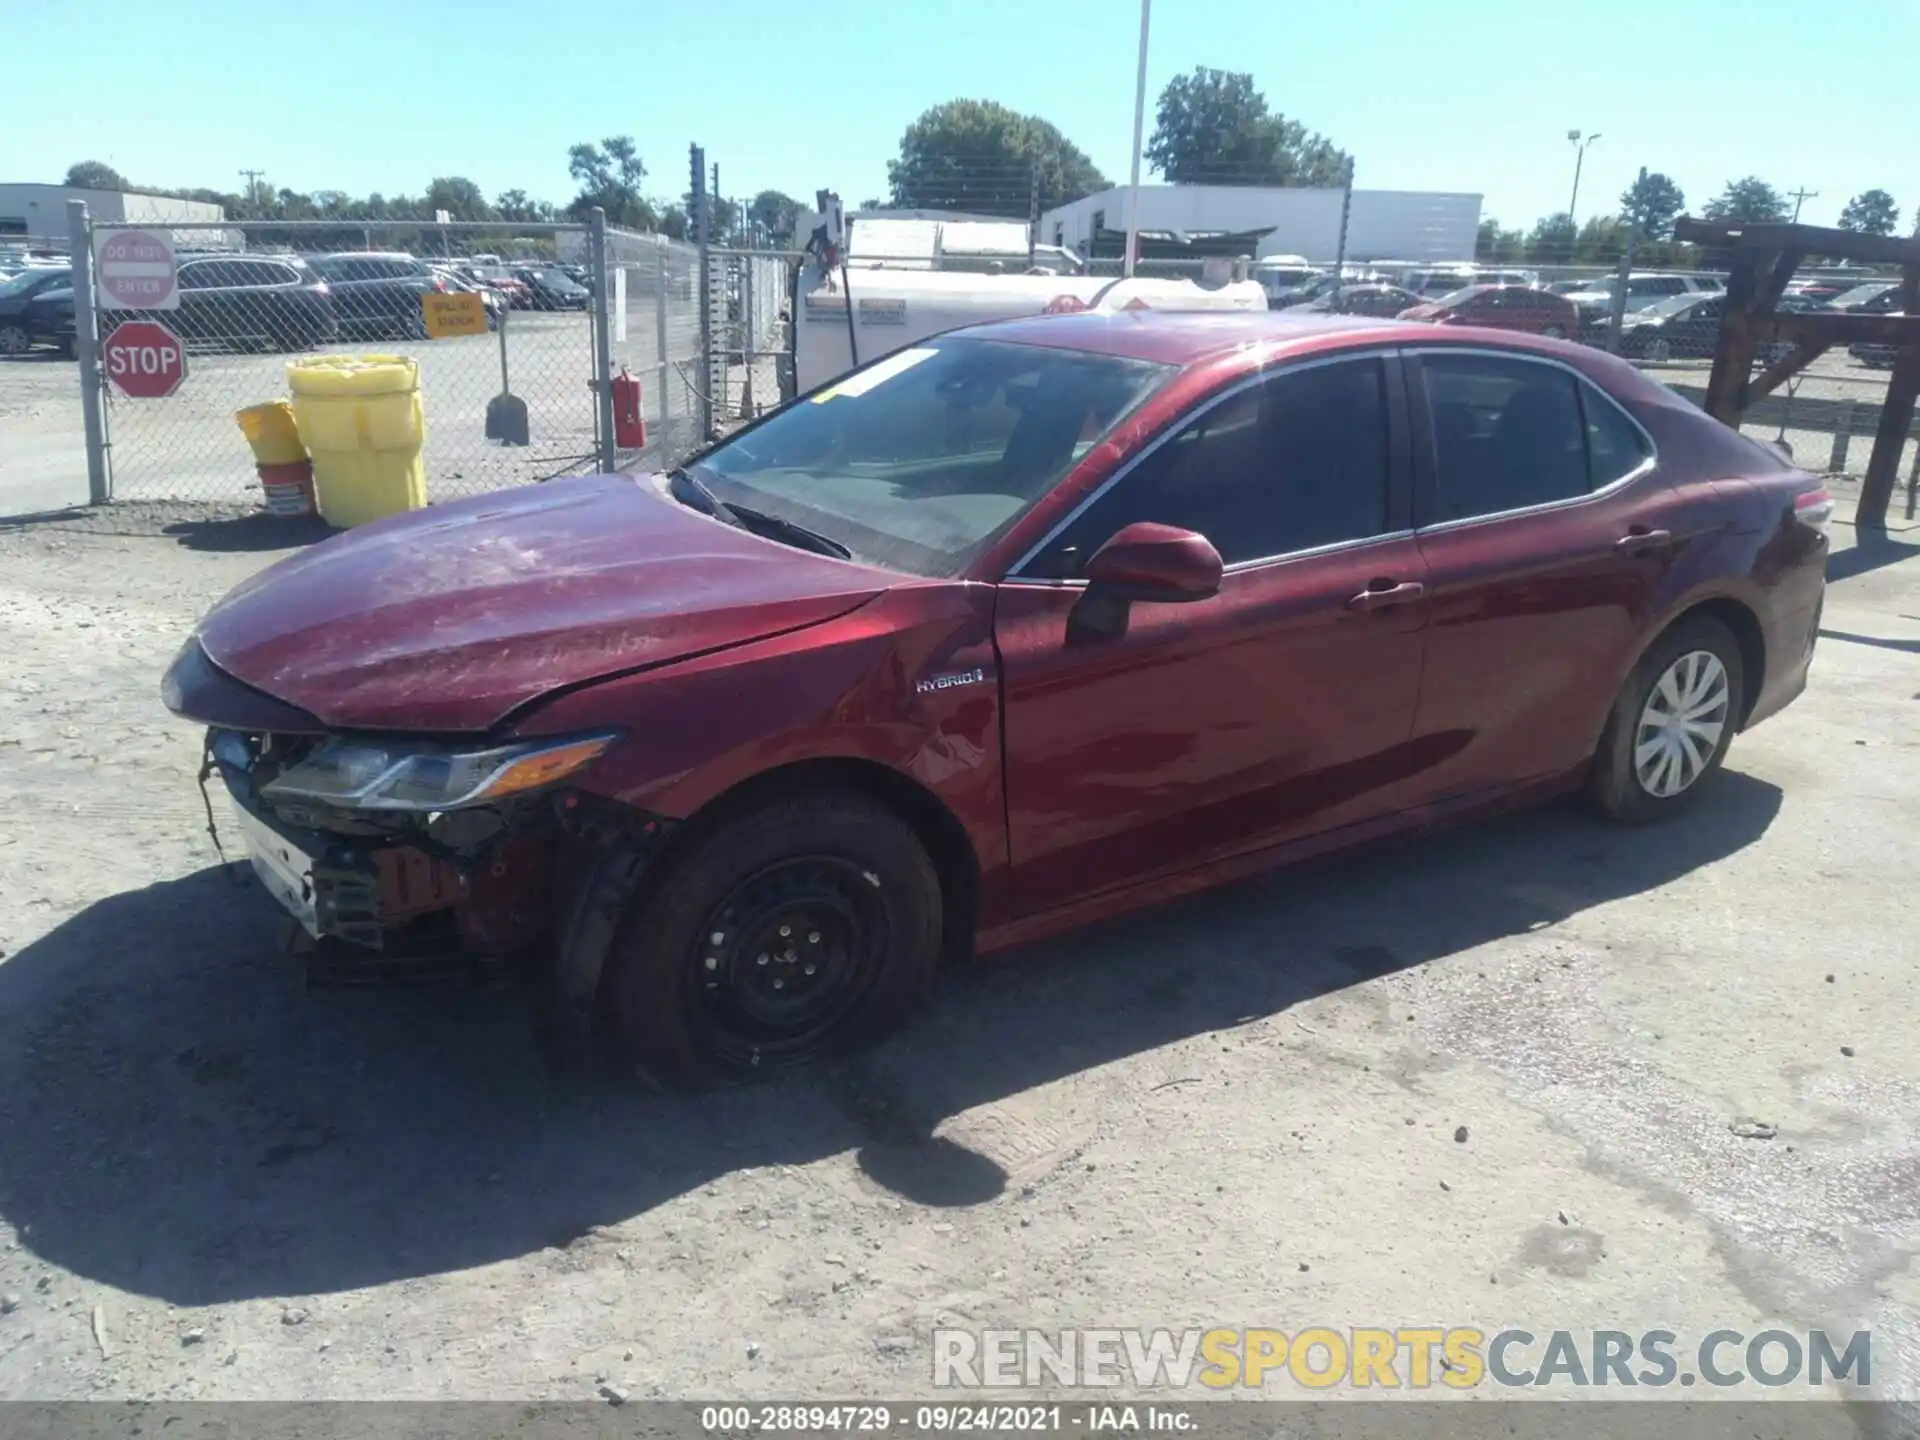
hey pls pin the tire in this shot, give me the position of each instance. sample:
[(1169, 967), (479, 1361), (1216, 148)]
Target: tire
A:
[(1658, 352), (696, 975), (14, 340), (1634, 782)]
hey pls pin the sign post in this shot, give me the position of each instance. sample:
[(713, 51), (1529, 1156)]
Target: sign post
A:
[(144, 359), (136, 270)]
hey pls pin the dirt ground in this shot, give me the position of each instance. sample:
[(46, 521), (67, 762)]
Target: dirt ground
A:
[(1487, 1079)]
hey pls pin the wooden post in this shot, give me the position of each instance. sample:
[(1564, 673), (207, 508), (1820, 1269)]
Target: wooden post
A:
[(1733, 357), (1896, 420)]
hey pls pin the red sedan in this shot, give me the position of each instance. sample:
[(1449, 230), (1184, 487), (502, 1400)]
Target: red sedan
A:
[(1022, 626), (1503, 307)]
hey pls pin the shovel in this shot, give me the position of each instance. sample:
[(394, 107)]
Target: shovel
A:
[(506, 412)]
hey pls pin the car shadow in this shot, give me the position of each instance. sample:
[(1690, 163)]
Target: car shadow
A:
[(180, 1119)]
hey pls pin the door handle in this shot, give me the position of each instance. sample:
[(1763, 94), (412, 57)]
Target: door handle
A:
[(1382, 593), (1644, 542)]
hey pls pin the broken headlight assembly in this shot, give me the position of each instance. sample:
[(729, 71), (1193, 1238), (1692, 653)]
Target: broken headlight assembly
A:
[(424, 778)]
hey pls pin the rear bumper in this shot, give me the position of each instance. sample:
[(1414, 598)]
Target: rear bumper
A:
[(1793, 642)]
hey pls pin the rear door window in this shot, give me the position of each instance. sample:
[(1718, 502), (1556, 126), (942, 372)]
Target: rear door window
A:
[(1508, 434)]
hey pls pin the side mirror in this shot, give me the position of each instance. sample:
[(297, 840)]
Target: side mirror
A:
[(1144, 562), (1163, 563)]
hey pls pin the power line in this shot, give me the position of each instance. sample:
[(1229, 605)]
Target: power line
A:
[(1799, 198)]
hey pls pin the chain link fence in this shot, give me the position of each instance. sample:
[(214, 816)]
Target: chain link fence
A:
[(277, 293), (655, 324)]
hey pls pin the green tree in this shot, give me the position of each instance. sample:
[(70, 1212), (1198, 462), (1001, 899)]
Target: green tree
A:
[(1653, 203), (1214, 127), (774, 213), (1498, 245), (1872, 212), (1749, 201), (1602, 241), (459, 197), (609, 176), (977, 155), (514, 205), (95, 175), (1552, 240)]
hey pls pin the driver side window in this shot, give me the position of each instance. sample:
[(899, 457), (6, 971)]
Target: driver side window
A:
[(1294, 463)]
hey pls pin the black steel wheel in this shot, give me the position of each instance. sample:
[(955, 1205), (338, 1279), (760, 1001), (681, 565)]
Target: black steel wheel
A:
[(804, 928)]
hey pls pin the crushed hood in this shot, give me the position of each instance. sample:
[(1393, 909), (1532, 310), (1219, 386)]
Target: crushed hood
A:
[(447, 619)]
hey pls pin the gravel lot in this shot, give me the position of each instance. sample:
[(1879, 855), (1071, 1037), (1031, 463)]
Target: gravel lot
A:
[(1488, 1079)]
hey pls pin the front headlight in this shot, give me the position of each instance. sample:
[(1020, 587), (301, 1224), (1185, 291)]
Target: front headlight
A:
[(405, 775)]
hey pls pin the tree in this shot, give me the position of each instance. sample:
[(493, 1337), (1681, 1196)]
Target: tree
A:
[(459, 197), (609, 176), (1214, 127), (980, 156), (1872, 212), (774, 214), (1552, 240), (1750, 201), (95, 175), (1498, 245), (1652, 203), (1602, 241)]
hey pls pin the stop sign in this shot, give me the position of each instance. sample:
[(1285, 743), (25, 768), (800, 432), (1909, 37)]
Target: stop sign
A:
[(145, 359)]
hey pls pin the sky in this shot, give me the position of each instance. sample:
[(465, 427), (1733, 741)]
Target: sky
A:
[(366, 95)]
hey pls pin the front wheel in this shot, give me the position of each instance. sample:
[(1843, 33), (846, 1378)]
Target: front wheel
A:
[(805, 928), (1658, 352), (1672, 723)]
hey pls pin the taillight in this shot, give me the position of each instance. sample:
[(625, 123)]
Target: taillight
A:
[(1814, 509)]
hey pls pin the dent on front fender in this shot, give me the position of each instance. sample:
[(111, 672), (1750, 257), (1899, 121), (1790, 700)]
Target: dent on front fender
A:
[(909, 682)]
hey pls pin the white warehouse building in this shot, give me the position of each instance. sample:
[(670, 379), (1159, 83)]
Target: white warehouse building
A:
[(1383, 224), (38, 213)]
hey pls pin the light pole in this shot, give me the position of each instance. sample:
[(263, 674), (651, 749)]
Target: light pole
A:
[(1139, 127), (1579, 155)]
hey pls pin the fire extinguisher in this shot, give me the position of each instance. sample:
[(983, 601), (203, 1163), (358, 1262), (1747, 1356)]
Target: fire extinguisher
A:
[(629, 421)]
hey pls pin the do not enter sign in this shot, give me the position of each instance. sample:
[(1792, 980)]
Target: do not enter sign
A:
[(144, 359)]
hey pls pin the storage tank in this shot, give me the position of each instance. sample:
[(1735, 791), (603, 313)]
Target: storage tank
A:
[(891, 309)]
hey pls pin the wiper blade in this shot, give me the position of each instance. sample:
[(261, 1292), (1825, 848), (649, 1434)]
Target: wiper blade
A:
[(775, 528), (704, 500)]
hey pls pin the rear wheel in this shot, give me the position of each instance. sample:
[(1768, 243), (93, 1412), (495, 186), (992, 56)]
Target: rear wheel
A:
[(805, 928), (14, 340), (1672, 723)]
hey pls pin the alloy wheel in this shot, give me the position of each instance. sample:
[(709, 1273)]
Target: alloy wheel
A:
[(1659, 351), (14, 340), (1681, 724)]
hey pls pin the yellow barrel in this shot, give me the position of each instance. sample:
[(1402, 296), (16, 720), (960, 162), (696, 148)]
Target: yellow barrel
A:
[(361, 419), (270, 430)]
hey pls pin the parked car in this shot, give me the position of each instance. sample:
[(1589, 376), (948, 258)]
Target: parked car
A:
[(1595, 302), (517, 293), (1381, 300), (17, 336), (48, 320), (1502, 307), (1880, 297), (1872, 354), (1687, 327), (249, 299), (377, 293), (553, 288), (1039, 622)]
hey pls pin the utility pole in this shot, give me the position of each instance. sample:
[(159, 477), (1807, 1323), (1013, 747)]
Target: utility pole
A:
[(1800, 197), (252, 178), (1139, 127)]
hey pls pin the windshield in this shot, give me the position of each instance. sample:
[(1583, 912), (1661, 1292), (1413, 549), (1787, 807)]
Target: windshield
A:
[(1859, 295), (25, 281), (1672, 305), (917, 460)]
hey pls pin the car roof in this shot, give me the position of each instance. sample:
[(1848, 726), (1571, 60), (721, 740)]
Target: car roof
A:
[(1192, 337)]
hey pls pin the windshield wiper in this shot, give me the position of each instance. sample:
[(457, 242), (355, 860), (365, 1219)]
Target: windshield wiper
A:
[(775, 528), (757, 522)]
